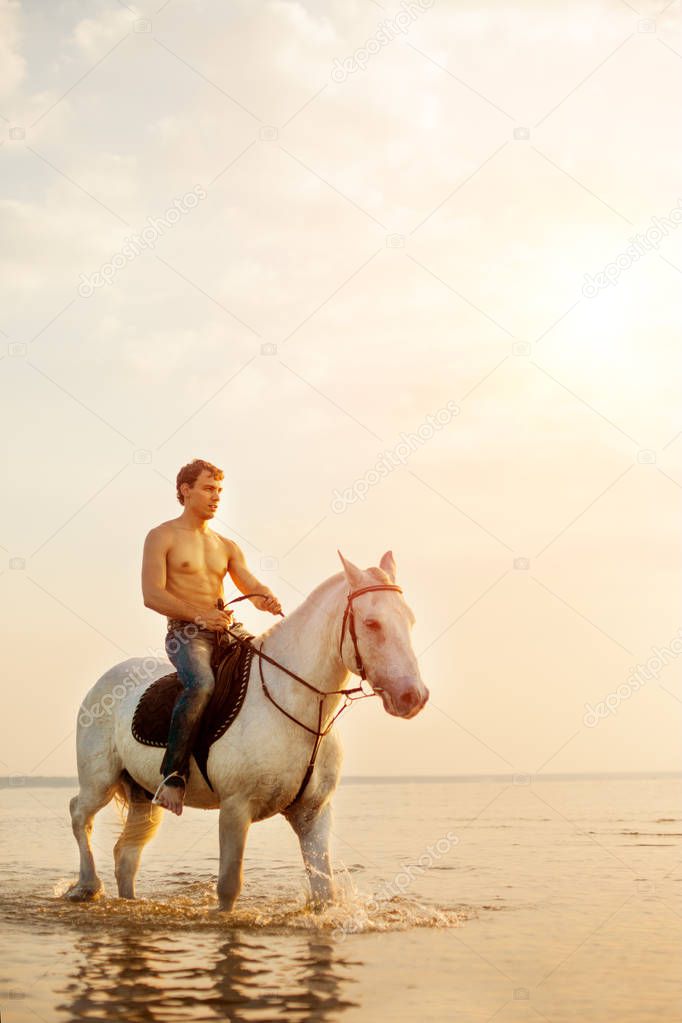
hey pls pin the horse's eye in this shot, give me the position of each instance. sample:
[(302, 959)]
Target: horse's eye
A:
[(372, 623)]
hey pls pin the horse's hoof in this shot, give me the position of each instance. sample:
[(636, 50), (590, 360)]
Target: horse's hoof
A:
[(320, 903), (82, 893)]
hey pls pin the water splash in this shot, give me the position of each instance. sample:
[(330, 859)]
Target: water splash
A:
[(280, 911)]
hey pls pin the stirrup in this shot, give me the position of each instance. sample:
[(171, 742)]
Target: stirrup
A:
[(173, 774)]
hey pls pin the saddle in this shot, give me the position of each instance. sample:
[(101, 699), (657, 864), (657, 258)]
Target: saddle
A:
[(231, 664)]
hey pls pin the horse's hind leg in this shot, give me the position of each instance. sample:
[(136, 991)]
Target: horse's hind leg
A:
[(141, 824), (83, 808)]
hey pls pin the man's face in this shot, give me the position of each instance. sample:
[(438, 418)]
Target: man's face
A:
[(205, 495)]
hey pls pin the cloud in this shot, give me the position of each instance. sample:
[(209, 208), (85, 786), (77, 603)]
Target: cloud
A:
[(94, 36), (12, 63)]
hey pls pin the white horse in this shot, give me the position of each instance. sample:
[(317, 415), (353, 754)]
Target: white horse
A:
[(257, 766)]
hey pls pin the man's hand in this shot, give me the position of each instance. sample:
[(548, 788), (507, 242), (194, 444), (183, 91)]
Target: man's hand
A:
[(214, 619), (269, 602)]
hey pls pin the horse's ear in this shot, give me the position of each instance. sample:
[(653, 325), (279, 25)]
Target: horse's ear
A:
[(388, 564), (353, 573)]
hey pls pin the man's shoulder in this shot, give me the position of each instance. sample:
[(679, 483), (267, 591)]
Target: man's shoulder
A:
[(230, 544), (162, 526), (164, 529)]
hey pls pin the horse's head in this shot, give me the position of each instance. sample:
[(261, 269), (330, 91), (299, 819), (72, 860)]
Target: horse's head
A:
[(382, 622)]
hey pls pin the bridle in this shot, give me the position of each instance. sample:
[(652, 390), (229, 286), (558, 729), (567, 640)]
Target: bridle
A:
[(350, 618), (350, 695)]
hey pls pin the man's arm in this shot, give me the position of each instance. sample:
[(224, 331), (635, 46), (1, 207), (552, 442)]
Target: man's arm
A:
[(154, 589), (246, 582)]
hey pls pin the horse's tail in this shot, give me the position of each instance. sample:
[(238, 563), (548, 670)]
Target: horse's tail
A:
[(123, 799), (139, 817)]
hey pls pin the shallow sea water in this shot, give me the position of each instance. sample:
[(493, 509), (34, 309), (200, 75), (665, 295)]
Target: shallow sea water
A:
[(476, 900)]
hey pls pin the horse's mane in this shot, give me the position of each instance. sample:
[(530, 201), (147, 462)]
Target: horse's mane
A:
[(320, 592), (327, 584)]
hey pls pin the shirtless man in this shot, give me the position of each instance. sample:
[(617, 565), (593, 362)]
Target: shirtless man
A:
[(183, 567)]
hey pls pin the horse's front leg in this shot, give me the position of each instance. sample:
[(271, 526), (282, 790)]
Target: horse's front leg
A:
[(313, 828), (233, 827)]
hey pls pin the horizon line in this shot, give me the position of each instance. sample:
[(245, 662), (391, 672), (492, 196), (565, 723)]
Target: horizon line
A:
[(515, 777)]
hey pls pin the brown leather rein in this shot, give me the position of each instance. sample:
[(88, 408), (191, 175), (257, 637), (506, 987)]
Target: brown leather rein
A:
[(319, 732)]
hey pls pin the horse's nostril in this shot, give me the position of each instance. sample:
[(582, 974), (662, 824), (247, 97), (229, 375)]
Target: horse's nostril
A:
[(409, 699)]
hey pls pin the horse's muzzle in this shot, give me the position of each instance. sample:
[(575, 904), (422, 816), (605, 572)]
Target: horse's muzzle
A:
[(405, 701)]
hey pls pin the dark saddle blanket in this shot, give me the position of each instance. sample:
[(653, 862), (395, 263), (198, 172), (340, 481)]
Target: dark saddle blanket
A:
[(152, 717)]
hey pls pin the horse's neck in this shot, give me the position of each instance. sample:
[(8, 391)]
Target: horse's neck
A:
[(306, 642)]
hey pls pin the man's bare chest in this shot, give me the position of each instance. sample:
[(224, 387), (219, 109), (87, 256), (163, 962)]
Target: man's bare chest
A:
[(196, 555)]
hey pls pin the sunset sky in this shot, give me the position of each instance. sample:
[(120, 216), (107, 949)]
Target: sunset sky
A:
[(401, 214)]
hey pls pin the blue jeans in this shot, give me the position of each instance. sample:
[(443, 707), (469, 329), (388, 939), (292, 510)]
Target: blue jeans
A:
[(190, 650)]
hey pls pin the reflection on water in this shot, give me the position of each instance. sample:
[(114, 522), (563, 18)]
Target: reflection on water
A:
[(172, 960), (236, 976), (177, 960)]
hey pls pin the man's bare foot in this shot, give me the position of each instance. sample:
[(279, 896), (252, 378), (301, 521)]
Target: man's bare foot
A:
[(171, 793)]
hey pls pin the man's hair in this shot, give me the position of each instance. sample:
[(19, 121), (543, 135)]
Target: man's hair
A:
[(191, 472)]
